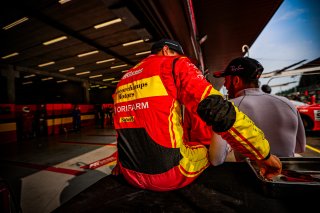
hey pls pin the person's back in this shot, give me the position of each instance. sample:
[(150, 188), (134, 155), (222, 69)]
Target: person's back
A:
[(277, 118), (76, 114), (147, 114)]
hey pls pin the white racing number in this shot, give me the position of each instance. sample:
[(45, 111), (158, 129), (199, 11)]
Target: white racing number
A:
[(316, 115)]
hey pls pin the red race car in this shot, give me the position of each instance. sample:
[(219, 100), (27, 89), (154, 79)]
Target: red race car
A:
[(310, 115)]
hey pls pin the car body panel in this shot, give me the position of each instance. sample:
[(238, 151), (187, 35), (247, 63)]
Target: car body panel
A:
[(311, 116)]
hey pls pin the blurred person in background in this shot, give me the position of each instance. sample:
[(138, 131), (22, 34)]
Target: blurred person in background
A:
[(76, 118)]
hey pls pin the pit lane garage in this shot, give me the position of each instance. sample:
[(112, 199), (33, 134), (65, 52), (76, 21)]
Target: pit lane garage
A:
[(184, 20)]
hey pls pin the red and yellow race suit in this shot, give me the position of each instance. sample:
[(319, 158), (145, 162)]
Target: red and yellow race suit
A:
[(151, 150), (195, 129)]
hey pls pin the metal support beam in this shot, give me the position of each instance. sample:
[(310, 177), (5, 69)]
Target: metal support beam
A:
[(10, 75), (290, 72)]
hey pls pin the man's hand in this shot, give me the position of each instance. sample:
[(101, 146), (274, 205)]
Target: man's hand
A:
[(270, 167)]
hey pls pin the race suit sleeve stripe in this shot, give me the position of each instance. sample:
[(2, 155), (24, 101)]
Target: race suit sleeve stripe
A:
[(175, 129), (206, 91), (209, 91), (249, 145), (172, 136), (234, 126), (247, 138)]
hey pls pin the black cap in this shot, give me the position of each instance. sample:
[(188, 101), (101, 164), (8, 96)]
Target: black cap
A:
[(242, 66), (173, 45)]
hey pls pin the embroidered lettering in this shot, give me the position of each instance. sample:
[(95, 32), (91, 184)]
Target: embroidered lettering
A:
[(133, 107)]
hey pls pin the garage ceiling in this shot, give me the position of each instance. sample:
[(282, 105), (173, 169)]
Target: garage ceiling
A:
[(93, 37), (82, 45)]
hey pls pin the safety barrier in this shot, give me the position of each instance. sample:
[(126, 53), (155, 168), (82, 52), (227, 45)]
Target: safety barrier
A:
[(20, 122)]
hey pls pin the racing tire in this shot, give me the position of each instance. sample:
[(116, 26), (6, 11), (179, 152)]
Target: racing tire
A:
[(307, 123)]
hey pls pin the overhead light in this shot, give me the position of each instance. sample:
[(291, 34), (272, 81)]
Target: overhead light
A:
[(103, 87), (10, 55), (114, 21), (95, 76), (83, 73), (27, 82), (15, 23), (63, 1), (92, 86), (124, 70), (29, 76), (55, 40), (122, 65), (88, 53), (104, 61), (115, 81), (61, 81), (108, 79), (46, 64), (66, 69), (133, 42), (46, 79), (143, 53)]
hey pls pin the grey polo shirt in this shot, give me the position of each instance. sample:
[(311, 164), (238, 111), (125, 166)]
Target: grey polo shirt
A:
[(277, 117)]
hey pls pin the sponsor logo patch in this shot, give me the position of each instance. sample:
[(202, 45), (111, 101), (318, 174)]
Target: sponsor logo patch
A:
[(126, 119), (132, 107)]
